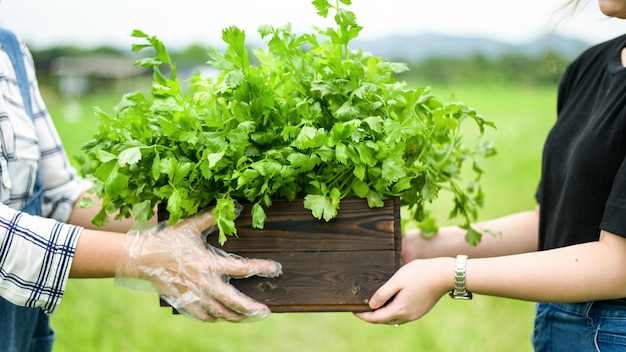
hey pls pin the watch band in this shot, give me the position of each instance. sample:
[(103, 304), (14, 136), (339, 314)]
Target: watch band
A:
[(460, 291)]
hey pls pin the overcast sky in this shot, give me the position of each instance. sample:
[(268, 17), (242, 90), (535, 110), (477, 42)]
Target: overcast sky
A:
[(44, 23)]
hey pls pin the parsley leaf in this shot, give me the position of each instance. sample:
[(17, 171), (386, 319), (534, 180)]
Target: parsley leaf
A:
[(314, 119)]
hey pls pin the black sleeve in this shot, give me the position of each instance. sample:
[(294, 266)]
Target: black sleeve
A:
[(614, 217), (564, 88)]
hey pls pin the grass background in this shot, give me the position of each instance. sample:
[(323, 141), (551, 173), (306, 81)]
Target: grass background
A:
[(96, 316)]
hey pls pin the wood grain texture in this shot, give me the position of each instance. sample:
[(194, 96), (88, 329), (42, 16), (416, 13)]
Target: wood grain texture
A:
[(327, 266)]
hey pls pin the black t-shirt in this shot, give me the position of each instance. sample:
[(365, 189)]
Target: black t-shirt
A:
[(583, 177)]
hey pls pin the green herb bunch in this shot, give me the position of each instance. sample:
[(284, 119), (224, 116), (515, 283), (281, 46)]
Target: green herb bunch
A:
[(314, 119)]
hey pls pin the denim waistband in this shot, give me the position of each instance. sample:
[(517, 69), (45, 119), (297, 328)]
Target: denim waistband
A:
[(610, 308)]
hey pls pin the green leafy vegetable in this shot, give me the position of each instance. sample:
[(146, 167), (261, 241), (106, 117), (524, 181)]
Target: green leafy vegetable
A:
[(314, 120)]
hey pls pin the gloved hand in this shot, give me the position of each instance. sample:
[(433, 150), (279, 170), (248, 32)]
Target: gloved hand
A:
[(192, 276)]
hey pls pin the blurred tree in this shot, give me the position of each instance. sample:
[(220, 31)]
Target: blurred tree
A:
[(513, 67)]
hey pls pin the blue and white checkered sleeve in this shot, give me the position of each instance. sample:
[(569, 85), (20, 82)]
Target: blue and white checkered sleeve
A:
[(61, 183), (35, 258)]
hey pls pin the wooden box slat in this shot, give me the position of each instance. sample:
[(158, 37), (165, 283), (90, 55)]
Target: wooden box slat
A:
[(289, 227), (327, 266)]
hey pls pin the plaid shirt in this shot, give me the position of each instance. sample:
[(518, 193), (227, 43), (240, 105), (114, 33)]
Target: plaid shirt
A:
[(35, 253)]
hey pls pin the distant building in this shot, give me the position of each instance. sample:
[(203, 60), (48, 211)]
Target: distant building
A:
[(79, 76)]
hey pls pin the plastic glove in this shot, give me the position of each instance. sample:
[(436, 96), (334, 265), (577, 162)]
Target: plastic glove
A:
[(192, 276)]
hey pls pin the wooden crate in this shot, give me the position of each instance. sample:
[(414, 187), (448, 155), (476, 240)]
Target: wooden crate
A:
[(327, 266)]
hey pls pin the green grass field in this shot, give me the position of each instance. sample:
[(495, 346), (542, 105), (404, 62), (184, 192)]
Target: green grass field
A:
[(96, 316)]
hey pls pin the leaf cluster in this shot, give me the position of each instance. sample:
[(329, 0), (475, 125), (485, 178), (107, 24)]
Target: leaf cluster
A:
[(313, 120)]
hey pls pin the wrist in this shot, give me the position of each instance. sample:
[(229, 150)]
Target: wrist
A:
[(445, 273), (459, 290), (416, 246)]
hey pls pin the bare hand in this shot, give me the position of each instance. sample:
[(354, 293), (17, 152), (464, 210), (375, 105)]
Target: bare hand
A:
[(411, 292)]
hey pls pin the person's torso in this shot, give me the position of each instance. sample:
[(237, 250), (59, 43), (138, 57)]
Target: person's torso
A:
[(585, 148), (19, 148)]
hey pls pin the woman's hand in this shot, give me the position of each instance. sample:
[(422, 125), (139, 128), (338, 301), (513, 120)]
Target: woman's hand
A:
[(190, 275), (411, 292)]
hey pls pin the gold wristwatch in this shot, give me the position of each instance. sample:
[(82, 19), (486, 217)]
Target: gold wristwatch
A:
[(460, 292)]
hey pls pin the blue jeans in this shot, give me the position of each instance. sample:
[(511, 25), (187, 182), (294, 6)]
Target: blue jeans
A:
[(589, 326), (24, 329)]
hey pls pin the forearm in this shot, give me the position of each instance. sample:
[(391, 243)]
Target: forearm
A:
[(97, 254), (83, 216), (97, 250), (590, 271), (518, 234)]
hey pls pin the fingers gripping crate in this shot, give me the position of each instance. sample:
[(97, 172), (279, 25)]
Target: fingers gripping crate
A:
[(329, 266)]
